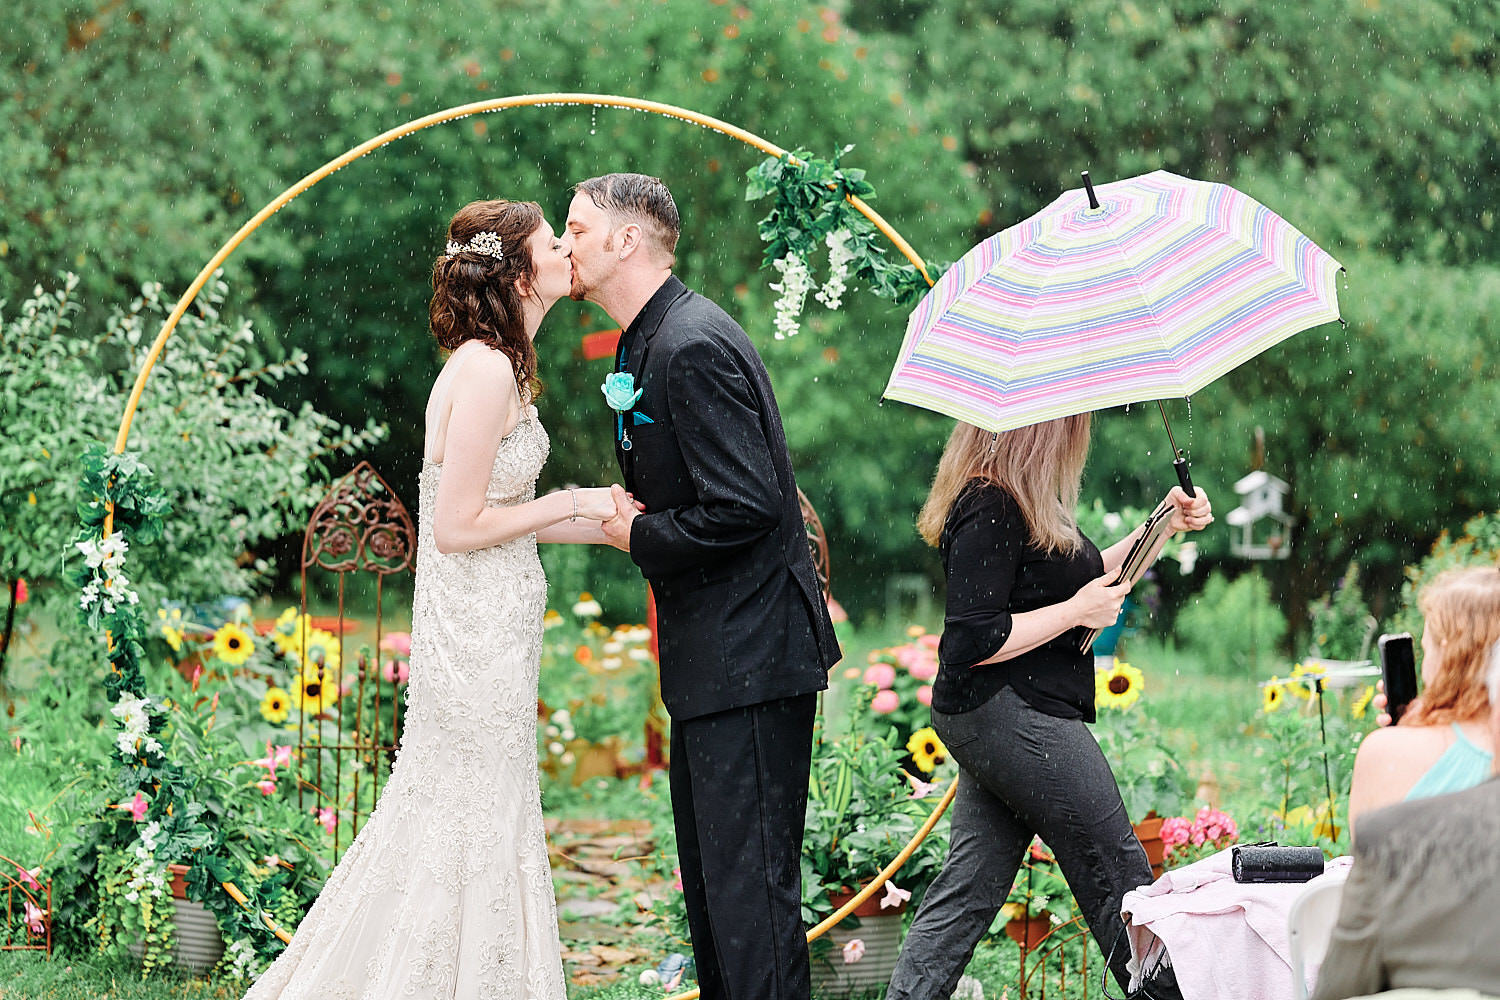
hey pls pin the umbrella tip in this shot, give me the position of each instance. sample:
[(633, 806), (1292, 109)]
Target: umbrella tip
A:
[(1088, 186)]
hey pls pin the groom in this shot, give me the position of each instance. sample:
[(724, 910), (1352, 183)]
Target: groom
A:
[(743, 629)]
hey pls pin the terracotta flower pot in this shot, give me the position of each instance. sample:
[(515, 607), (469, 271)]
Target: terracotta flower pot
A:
[(1028, 930), (1148, 832)]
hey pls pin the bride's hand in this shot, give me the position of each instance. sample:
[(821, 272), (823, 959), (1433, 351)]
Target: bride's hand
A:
[(595, 503)]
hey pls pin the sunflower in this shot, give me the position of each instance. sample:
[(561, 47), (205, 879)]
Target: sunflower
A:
[(1302, 683), (927, 751), (1119, 686), (286, 634), (275, 706), (315, 690), (320, 648), (1357, 710), (1272, 695), (233, 644)]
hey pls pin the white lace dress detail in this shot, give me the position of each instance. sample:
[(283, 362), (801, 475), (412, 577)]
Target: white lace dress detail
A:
[(447, 891)]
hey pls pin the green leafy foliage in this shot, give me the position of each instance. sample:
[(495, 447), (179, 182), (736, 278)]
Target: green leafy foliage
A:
[(1230, 624)]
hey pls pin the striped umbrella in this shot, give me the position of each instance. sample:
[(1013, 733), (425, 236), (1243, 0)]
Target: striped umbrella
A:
[(1146, 288)]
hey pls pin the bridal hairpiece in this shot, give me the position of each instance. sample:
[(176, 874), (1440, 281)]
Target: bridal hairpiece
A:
[(486, 243)]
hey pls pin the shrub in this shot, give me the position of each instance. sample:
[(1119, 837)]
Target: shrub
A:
[(1231, 623)]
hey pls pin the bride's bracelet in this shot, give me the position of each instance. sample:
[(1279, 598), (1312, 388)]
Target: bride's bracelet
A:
[(574, 494)]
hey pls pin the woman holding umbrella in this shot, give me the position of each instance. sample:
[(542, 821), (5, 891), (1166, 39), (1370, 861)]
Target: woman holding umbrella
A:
[(1014, 691)]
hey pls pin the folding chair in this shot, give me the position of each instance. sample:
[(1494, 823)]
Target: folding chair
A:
[(1310, 926)]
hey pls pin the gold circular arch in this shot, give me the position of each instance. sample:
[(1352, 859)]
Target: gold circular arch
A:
[(122, 435)]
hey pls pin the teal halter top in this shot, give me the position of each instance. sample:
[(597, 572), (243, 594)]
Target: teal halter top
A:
[(1462, 765)]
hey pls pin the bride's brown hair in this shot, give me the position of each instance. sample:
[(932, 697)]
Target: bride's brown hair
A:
[(474, 293)]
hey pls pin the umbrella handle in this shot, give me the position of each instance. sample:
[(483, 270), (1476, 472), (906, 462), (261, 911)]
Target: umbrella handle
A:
[(1183, 477)]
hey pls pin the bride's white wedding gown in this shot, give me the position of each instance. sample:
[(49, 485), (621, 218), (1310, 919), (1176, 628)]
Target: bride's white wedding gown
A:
[(447, 892)]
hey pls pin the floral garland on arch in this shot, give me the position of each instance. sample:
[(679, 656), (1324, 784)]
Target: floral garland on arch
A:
[(150, 815), (811, 213)]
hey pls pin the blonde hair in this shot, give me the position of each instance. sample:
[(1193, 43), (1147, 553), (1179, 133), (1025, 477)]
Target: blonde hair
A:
[(1040, 465), (1461, 608)]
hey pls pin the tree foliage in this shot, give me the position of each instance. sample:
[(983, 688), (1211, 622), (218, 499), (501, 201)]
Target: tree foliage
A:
[(140, 136)]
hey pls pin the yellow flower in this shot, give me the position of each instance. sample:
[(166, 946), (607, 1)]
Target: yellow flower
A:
[(275, 706), (233, 644), (927, 751), (1119, 686), (171, 627), (286, 635), (1321, 822), (1359, 707), (587, 607), (315, 690), (1301, 683), (914, 631), (1272, 695), (320, 648), (551, 619)]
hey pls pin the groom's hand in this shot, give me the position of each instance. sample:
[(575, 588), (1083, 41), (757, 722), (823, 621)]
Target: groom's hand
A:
[(617, 528)]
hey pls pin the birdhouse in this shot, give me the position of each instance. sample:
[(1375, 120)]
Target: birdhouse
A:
[(1262, 527)]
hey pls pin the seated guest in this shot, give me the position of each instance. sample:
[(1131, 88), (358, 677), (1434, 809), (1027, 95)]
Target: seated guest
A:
[(1419, 907), (1442, 743)]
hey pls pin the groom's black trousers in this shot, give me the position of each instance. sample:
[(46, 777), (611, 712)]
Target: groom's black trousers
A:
[(739, 798)]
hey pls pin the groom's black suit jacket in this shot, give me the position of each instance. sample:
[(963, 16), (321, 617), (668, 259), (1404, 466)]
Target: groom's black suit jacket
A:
[(741, 617)]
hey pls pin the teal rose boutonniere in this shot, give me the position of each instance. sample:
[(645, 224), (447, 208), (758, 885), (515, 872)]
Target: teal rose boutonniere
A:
[(620, 391)]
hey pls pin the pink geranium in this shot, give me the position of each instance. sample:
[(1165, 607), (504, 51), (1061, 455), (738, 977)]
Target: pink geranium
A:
[(924, 694), (397, 642), (924, 669), (885, 702), (882, 675)]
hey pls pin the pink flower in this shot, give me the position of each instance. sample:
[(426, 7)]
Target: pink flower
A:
[(882, 675), (327, 817), (920, 789), (854, 950), (924, 669), (929, 641), (281, 755), (395, 671), (267, 786), (28, 878), (22, 594), (136, 807), (894, 895), (35, 919), (924, 694), (885, 702), (677, 877), (397, 642), (836, 612), (16, 742)]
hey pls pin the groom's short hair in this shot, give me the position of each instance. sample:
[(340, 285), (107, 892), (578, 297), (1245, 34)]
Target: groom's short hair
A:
[(641, 199)]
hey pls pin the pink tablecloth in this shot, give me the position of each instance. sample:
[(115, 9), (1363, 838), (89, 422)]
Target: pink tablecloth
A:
[(1224, 938)]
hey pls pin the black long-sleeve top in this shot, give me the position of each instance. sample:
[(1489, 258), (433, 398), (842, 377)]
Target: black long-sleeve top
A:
[(994, 571)]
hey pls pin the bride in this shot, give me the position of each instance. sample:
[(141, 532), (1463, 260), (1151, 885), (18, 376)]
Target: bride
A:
[(447, 892)]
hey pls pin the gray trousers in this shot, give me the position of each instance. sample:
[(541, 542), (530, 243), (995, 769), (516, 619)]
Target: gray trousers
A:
[(1022, 773)]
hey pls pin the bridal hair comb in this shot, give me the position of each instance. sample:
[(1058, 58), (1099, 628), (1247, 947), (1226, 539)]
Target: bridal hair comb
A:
[(487, 243)]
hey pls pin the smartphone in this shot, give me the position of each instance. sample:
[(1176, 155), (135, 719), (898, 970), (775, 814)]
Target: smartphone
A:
[(1398, 667)]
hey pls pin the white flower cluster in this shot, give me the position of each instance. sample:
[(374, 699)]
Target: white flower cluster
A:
[(241, 959), (486, 243), (150, 875), (796, 282), (559, 730), (109, 588), (134, 736), (839, 258)]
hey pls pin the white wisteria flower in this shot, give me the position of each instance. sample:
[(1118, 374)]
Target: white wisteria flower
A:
[(107, 554), (796, 282), (839, 257), (131, 712)]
